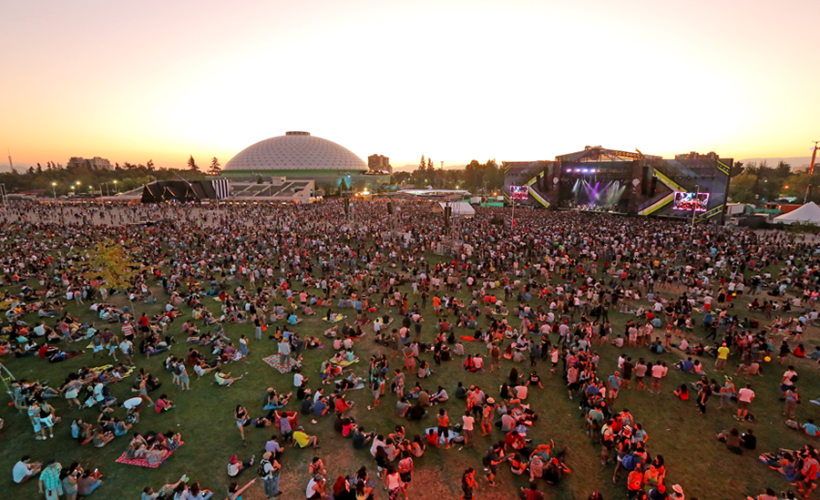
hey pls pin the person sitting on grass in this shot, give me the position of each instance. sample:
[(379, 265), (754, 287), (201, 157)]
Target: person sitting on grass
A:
[(224, 379), (167, 491), (235, 466), (101, 438), (235, 492), (732, 439), (682, 392), (163, 404), (810, 429), (25, 469), (301, 439), (274, 401)]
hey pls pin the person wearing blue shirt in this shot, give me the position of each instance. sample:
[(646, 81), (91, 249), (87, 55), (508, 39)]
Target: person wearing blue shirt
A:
[(810, 429), (320, 407), (686, 365), (707, 319)]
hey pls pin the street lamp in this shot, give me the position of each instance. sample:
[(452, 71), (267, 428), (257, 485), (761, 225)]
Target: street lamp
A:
[(54, 189), (115, 187)]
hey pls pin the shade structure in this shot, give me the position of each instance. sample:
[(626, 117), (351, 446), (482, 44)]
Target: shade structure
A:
[(809, 212)]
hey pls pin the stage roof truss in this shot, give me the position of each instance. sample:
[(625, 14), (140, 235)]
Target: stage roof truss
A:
[(599, 153)]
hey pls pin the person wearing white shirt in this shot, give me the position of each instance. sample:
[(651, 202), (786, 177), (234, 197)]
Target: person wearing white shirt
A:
[(25, 470)]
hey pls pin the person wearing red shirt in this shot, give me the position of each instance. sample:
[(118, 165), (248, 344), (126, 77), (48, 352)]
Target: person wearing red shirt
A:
[(342, 405)]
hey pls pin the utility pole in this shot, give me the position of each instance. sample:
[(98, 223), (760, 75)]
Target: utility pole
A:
[(811, 165), (806, 197)]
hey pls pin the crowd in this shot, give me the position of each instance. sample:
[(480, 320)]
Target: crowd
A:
[(522, 300)]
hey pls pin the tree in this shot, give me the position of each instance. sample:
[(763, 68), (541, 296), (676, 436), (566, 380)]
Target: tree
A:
[(192, 164), (400, 177), (111, 263), (422, 163), (742, 188), (150, 165), (736, 169), (214, 170)]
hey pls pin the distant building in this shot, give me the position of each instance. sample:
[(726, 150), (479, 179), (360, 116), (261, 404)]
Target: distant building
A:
[(96, 162), (697, 156), (379, 163)]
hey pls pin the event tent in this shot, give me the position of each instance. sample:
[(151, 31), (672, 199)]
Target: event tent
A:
[(809, 212), (460, 209)]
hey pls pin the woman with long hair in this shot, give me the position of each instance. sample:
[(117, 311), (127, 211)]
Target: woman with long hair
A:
[(241, 417), (468, 484)]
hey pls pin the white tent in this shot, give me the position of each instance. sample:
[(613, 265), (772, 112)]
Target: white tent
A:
[(460, 209), (809, 212)]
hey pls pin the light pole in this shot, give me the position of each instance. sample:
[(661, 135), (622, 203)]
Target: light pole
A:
[(54, 189), (116, 190), (806, 197), (695, 205)]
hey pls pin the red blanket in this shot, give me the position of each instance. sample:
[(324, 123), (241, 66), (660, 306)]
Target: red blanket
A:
[(142, 462)]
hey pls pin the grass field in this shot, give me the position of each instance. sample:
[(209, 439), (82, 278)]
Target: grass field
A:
[(204, 415)]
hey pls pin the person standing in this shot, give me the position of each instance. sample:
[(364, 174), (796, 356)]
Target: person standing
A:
[(271, 469), (722, 357), (50, 483), (703, 396), (443, 427), (468, 484), (744, 399), (284, 351), (467, 428), (241, 417)]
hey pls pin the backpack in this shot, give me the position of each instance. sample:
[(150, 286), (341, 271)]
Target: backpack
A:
[(631, 461), (260, 469)]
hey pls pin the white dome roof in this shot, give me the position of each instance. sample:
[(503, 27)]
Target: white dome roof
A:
[(296, 151)]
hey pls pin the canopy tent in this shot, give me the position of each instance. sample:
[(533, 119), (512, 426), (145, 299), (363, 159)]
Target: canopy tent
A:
[(182, 191), (809, 212), (460, 209)]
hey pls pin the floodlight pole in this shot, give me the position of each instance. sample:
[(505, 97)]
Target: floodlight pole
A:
[(695, 206)]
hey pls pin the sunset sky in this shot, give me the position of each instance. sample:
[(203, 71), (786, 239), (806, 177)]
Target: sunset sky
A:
[(453, 80)]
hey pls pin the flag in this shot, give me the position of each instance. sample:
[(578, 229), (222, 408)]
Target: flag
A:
[(222, 188)]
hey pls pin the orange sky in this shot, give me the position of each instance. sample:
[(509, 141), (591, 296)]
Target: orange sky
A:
[(453, 80)]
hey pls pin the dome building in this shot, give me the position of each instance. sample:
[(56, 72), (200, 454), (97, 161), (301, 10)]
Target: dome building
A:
[(296, 154)]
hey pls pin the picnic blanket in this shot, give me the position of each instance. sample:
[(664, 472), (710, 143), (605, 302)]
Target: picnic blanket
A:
[(101, 369), (142, 462), (379, 321), (360, 385), (450, 434), (274, 362), (335, 318), (470, 338), (345, 363)]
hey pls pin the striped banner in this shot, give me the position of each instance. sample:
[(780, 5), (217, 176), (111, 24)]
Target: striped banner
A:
[(222, 188)]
